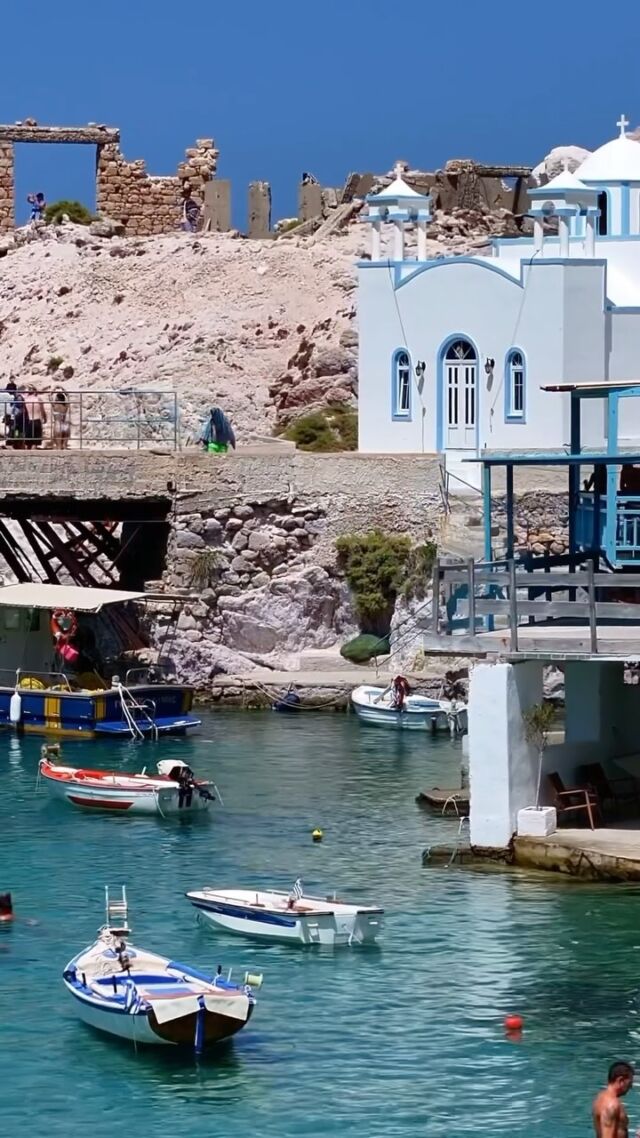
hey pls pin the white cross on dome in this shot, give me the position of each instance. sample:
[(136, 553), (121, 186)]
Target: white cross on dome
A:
[(623, 123)]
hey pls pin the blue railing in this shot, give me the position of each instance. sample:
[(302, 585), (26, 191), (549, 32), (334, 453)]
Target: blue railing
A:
[(621, 541)]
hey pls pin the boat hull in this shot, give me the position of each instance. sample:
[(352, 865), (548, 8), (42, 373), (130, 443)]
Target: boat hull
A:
[(331, 929), (89, 713), (128, 992), (107, 794), (418, 714), (143, 1027), (164, 803)]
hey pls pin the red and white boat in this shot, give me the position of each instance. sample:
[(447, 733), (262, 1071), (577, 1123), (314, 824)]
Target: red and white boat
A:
[(172, 792)]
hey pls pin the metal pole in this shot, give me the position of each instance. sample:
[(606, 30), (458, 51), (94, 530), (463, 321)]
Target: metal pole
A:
[(513, 606), (593, 623), (471, 586), (486, 509), (509, 504), (435, 598)]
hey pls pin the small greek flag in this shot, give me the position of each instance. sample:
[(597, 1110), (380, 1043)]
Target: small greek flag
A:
[(298, 891), (131, 1001)]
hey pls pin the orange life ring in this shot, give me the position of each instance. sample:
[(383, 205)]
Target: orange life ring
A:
[(64, 623)]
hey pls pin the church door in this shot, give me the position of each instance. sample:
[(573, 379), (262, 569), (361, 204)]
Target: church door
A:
[(460, 396)]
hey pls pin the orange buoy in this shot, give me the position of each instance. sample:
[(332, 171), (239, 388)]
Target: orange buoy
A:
[(513, 1023)]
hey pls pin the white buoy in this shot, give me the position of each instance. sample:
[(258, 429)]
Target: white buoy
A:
[(15, 708)]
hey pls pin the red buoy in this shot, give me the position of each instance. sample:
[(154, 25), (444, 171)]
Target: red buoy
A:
[(513, 1023)]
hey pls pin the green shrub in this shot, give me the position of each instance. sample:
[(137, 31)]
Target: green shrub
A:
[(75, 211), (375, 565), (419, 570), (206, 568), (365, 647), (334, 428)]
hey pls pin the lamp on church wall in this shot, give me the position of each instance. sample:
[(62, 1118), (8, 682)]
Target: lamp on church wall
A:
[(420, 370), (489, 365)]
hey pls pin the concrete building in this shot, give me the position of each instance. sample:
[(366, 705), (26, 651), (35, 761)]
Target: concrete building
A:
[(578, 612), (454, 351)]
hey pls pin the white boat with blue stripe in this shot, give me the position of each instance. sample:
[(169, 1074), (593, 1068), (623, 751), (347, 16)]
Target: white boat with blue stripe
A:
[(393, 707), (295, 917), (149, 999)]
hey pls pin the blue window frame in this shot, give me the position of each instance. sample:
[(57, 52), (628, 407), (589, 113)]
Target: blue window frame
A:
[(515, 386), (401, 384)]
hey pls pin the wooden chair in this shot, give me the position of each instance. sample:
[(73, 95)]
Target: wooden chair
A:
[(568, 800), (620, 792)]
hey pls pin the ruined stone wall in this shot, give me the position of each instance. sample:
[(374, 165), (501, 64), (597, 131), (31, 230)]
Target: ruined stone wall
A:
[(6, 187), (148, 205), (124, 191)]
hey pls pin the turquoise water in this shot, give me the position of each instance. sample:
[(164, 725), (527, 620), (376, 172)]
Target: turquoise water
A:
[(402, 1041)]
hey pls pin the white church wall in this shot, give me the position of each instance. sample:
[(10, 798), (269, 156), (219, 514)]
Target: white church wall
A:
[(457, 298), (383, 329)]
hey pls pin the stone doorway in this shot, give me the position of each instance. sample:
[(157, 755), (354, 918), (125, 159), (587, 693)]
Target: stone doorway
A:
[(144, 205)]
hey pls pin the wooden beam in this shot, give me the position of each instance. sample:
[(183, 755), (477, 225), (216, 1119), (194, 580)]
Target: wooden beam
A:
[(43, 557), (13, 555)]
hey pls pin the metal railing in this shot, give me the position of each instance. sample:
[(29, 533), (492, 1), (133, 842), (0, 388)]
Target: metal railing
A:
[(123, 418), (520, 597)]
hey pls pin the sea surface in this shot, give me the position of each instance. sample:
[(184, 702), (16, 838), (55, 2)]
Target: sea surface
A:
[(401, 1041)]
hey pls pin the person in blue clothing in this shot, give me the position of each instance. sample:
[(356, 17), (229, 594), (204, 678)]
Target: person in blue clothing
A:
[(38, 206), (217, 434)]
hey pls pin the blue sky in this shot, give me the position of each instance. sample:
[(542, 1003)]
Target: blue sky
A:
[(328, 86)]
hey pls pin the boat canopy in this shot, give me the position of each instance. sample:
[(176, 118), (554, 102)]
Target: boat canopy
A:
[(36, 595)]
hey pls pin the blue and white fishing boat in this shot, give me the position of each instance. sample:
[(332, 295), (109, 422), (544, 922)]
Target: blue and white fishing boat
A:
[(294, 916), (149, 999), (394, 707), (50, 683)]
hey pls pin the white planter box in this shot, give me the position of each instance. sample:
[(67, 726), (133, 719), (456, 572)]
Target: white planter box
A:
[(537, 822)]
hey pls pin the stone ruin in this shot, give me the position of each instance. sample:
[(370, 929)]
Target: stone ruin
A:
[(125, 192), (145, 205)]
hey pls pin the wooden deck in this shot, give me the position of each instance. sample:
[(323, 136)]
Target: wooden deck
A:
[(452, 801), (560, 613)]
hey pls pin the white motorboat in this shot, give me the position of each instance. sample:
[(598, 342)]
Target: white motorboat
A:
[(384, 707), (172, 792), (126, 991), (296, 916)]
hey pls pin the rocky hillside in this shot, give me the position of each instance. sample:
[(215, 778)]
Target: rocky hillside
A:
[(265, 329)]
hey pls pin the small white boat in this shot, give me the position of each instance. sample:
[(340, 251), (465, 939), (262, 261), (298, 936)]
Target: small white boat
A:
[(172, 792), (295, 916), (126, 991), (382, 708)]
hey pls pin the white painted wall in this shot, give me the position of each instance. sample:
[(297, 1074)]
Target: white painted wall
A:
[(503, 766)]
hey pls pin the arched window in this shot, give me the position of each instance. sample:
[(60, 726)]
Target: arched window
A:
[(603, 220), (514, 386), (401, 385)]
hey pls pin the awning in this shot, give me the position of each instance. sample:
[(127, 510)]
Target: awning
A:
[(35, 595)]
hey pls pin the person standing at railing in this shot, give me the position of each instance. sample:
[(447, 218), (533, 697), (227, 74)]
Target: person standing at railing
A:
[(36, 417), (60, 419), (15, 419)]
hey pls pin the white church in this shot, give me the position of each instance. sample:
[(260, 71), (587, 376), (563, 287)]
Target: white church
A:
[(454, 351)]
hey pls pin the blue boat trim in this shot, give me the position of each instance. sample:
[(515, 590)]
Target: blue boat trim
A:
[(244, 914), (162, 723)]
